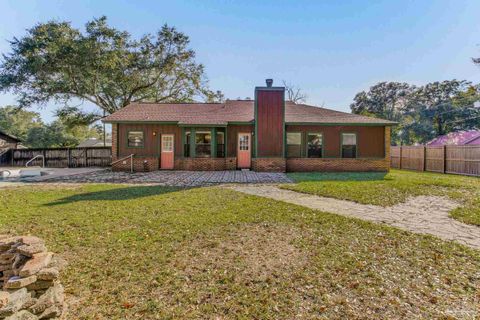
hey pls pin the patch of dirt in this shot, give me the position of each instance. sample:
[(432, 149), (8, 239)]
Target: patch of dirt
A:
[(257, 252)]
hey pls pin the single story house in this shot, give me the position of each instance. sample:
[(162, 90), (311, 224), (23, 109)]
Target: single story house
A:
[(8, 141), (458, 138), (264, 134)]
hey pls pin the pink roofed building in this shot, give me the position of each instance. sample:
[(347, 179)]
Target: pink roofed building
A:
[(458, 138)]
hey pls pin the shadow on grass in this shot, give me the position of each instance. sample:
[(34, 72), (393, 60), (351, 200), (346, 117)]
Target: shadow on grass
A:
[(117, 194), (338, 176)]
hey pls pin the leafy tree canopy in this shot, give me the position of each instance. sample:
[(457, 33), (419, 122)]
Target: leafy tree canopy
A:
[(422, 112), (34, 133), (384, 100), (18, 122), (102, 65)]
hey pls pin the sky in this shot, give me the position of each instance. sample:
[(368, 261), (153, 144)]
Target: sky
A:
[(330, 49)]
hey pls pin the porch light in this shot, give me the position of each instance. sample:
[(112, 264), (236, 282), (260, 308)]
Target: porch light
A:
[(154, 133)]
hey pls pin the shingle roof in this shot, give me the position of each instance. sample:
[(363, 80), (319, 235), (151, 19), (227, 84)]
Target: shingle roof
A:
[(458, 138), (10, 136), (231, 111)]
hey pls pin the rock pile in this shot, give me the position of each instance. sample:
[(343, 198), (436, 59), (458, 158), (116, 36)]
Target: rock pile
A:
[(30, 289)]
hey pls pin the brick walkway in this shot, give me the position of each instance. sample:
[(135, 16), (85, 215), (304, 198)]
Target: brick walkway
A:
[(174, 178)]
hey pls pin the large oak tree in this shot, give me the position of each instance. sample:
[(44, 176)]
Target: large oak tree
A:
[(102, 65)]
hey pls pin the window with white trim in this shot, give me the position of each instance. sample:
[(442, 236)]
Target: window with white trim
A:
[(349, 145)]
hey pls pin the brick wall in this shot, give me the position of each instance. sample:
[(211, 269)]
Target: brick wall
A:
[(231, 163), (337, 164), (114, 141), (139, 164), (269, 164), (205, 164)]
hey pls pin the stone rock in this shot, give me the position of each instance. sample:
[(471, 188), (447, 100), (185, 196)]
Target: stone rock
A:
[(30, 240), (52, 312), (30, 302), (52, 297), (4, 298), (7, 274), (16, 302), (7, 257), (36, 263), (22, 315), (19, 261), (30, 250), (4, 267), (19, 282), (8, 242), (40, 285), (48, 274)]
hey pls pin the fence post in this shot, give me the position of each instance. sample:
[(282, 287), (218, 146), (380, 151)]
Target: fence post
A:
[(424, 158), (445, 159), (45, 158), (69, 158), (86, 158), (400, 160)]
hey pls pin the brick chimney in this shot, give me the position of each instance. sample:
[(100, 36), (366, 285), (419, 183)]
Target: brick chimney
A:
[(269, 120)]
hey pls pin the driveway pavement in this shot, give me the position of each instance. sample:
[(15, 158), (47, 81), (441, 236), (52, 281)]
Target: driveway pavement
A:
[(423, 214)]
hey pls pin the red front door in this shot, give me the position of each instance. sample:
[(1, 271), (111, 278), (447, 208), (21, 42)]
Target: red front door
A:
[(167, 158), (244, 150)]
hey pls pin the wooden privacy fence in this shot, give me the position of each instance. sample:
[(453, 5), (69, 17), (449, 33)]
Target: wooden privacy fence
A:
[(463, 160), (61, 157)]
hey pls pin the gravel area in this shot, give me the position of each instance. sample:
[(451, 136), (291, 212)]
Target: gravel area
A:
[(423, 214)]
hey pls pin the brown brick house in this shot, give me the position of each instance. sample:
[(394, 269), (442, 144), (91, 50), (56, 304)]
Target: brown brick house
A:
[(265, 134)]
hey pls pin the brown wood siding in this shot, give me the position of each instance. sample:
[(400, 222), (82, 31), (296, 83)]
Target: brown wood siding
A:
[(152, 143), (370, 139), (232, 137), (270, 123)]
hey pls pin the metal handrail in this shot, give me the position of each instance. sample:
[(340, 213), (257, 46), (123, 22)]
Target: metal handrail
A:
[(124, 158), (37, 156)]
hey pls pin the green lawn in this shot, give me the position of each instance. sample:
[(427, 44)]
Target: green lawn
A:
[(393, 188), (143, 252)]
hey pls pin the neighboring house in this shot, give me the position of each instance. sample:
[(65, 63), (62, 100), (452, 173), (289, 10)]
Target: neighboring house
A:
[(8, 142), (459, 138), (94, 142), (265, 134)]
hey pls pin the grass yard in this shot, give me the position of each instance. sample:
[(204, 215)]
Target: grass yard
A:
[(393, 188), (143, 252)]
